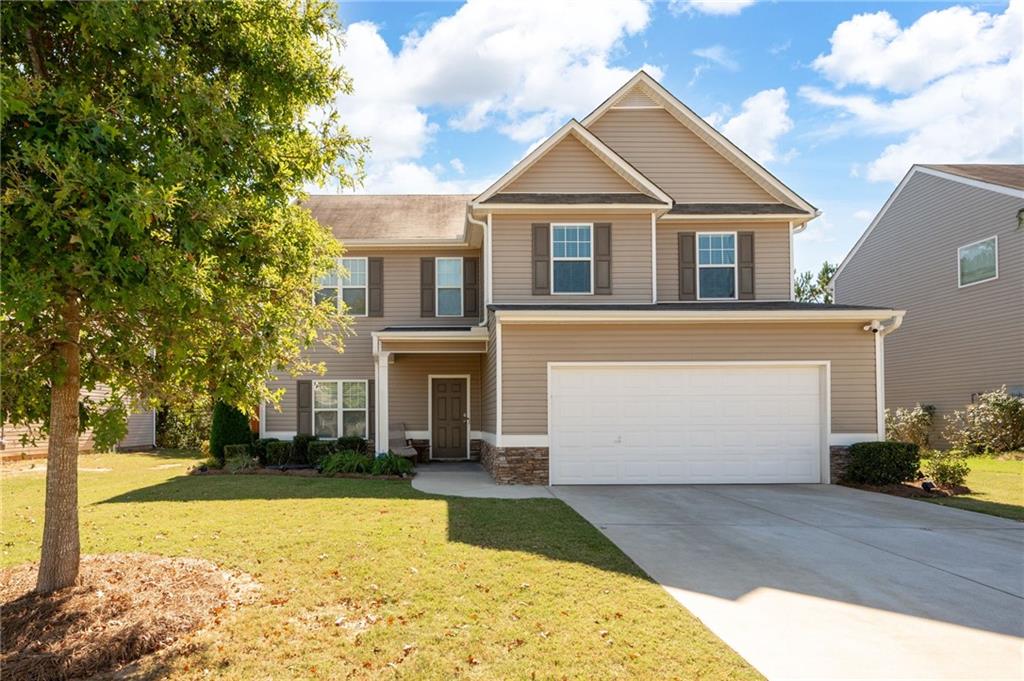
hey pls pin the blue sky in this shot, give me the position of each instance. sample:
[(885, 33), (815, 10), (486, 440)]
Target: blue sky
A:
[(836, 98)]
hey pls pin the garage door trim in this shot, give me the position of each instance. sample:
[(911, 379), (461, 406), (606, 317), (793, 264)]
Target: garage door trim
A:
[(824, 378)]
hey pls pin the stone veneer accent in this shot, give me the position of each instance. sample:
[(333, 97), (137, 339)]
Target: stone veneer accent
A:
[(839, 459), (515, 465)]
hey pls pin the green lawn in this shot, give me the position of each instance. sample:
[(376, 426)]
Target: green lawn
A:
[(422, 586), (997, 488)]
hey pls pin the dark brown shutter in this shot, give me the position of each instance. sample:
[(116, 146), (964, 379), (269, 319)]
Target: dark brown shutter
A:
[(427, 287), (304, 407), (371, 412), (603, 259), (375, 287), (471, 287), (541, 258), (745, 262), (687, 266)]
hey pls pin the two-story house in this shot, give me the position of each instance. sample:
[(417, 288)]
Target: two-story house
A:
[(616, 308), (948, 247)]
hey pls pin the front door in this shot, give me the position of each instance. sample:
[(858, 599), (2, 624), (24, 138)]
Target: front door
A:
[(448, 418)]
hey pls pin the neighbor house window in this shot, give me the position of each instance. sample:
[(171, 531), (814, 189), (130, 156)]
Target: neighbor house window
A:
[(572, 267), (339, 408), (716, 265), (349, 288), (448, 272), (978, 262)]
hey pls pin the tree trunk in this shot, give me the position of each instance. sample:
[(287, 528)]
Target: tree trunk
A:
[(58, 566)]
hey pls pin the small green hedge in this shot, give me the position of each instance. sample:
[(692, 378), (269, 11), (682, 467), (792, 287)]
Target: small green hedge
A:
[(352, 443), (319, 450), (229, 426), (300, 449), (238, 459), (391, 464), (259, 448), (346, 461), (882, 463), (278, 453)]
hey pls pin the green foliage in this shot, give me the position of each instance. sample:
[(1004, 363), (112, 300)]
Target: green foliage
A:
[(185, 426), (229, 427), (319, 450), (882, 463), (279, 452), (353, 442), (300, 446), (238, 459), (346, 461), (259, 448), (811, 288), (391, 464), (152, 154), (947, 469), (994, 423), (910, 425)]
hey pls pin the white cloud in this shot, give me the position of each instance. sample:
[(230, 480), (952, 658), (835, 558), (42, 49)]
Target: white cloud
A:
[(727, 7), (864, 216), (948, 97), (458, 166), (762, 120), (779, 48), (719, 55), (414, 178)]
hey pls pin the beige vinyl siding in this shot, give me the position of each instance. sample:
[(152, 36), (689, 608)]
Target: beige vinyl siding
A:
[(771, 256), (631, 258), (490, 384), (401, 308), (141, 431), (409, 383), (675, 159), (636, 97), (569, 166), (954, 342), (527, 348)]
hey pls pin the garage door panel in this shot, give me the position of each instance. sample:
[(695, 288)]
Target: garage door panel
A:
[(634, 424)]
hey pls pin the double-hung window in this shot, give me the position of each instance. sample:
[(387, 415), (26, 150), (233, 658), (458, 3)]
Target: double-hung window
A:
[(716, 265), (339, 408), (978, 262), (448, 275), (348, 289), (572, 260)]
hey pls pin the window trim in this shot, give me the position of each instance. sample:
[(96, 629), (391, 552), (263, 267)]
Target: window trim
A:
[(341, 409), (551, 251), (735, 264), (438, 287), (959, 275)]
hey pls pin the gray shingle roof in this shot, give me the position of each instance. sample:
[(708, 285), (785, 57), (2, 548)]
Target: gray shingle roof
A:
[(391, 216), (1006, 175)]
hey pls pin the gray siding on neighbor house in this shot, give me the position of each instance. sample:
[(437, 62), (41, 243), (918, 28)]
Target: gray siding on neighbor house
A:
[(954, 342)]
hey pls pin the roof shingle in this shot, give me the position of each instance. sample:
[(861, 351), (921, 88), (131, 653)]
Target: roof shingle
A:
[(392, 216), (1005, 175)]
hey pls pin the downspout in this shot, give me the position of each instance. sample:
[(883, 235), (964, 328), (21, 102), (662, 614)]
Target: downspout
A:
[(486, 227)]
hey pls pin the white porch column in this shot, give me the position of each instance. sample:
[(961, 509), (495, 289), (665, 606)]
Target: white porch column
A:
[(381, 403)]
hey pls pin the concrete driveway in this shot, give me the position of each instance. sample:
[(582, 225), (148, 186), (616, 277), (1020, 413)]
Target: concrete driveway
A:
[(826, 582)]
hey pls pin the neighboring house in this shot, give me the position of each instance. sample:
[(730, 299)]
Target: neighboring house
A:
[(948, 247), (617, 308)]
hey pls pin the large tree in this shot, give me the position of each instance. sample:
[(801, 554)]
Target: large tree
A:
[(809, 288), (152, 155)]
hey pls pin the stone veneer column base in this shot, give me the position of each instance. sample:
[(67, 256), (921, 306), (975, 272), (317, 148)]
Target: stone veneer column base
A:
[(515, 465), (839, 459)]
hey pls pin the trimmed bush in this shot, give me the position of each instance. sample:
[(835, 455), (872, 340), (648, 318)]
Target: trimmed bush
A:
[(259, 448), (391, 464), (910, 425), (994, 423), (279, 452), (237, 459), (185, 426), (353, 443), (318, 450), (300, 447), (346, 461), (228, 427), (947, 469), (882, 463)]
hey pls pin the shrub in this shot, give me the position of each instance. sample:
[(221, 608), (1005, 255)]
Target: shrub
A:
[(237, 459), (318, 450), (300, 447), (391, 464), (346, 461), (259, 448), (882, 463), (229, 427), (353, 443), (947, 469), (994, 423), (185, 426), (910, 425), (279, 452)]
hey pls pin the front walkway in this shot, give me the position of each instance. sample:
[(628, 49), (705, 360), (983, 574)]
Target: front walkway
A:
[(469, 479), (826, 582)]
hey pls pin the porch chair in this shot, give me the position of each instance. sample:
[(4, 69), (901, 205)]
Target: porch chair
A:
[(399, 444)]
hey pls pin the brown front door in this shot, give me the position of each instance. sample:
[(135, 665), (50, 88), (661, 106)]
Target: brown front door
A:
[(448, 418)]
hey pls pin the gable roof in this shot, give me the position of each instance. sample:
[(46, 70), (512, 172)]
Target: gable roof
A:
[(643, 87), (969, 174), (595, 145), (355, 218)]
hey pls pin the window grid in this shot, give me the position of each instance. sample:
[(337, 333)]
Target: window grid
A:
[(350, 289), (717, 251), (448, 294), (572, 243), (340, 408)]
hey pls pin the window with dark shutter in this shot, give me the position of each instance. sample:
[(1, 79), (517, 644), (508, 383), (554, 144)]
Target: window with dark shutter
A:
[(745, 258), (687, 266), (375, 282), (603, 258), (471, 287), (304, 407), (541, 259), (427, 287)]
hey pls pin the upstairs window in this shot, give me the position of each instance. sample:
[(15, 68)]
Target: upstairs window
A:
[(448, 274), (348, 288), (572, 266), (978, 262), (339, 408), (716, 265)]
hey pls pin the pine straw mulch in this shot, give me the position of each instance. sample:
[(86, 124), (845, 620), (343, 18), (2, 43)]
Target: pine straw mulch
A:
[(124, 606), (912, 489)]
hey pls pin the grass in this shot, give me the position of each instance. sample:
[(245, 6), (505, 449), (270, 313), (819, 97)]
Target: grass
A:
[(371, 579), (997, 488)]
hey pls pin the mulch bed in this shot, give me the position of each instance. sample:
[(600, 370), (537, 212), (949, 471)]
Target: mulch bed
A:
[(298, 472), (123, 607), (911, 489)]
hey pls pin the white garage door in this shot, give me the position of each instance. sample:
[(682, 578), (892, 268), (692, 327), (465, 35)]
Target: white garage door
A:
[(684, 424)]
